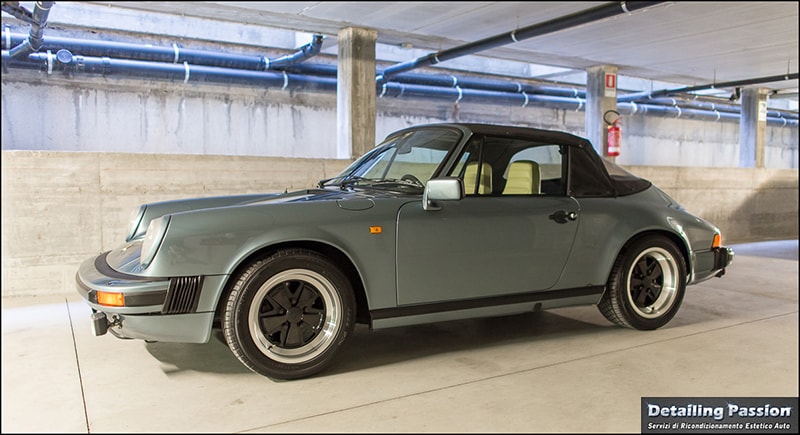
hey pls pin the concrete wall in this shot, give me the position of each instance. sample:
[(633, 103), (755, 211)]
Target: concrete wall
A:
[(41, 112), (59, 208)]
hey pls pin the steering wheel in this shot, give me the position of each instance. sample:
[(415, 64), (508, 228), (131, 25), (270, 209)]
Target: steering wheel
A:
[(411, 178)]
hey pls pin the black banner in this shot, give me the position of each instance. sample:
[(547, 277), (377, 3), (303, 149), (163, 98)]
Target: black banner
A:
[(719, 415)]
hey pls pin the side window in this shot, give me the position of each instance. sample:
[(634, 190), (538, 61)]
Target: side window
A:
[(476, 173), (536, 170), (494, 166)]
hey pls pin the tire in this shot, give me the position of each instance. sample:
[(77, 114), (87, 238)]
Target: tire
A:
[(646, 286), (288, 314)]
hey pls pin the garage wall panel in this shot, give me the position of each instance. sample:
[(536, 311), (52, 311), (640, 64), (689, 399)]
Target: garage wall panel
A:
[(59, 208)]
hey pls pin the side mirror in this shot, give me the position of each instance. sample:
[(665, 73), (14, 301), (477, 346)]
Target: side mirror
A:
[(442, 189)]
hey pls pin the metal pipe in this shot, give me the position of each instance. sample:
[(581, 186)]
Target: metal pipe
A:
[(576, 19), (303, 53), (289, 63), (67, 62), (454, 81), (640, 96), (38, 21), (175, 54)]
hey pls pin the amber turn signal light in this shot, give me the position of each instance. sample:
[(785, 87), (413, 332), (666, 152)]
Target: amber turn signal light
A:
[(717, 241), (111, 299)]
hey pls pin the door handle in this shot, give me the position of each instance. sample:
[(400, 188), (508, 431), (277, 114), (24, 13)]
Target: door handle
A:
[(562, 216)]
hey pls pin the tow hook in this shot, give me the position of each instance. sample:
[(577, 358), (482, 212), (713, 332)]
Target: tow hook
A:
[(100, 323)]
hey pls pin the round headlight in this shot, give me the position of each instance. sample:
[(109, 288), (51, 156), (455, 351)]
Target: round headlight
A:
[(134, 220), (152, 239)]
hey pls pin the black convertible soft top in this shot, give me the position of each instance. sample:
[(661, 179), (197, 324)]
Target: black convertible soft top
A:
[(617, 183)]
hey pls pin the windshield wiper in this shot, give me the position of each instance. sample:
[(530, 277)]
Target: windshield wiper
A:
[(345, 180), (349, 181), (399, 183)]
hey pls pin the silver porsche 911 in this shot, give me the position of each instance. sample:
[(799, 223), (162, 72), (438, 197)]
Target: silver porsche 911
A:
[(438, 222)]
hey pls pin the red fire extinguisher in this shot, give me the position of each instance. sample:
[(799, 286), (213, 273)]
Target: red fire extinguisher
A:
[(614, 135)]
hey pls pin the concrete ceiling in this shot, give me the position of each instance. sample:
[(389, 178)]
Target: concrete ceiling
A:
[(687, 43)]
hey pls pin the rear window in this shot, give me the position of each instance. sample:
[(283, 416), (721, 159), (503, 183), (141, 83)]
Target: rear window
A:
[(625, 182)]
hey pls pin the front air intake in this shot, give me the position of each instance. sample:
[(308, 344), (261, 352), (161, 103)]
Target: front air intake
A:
[(182, 295)]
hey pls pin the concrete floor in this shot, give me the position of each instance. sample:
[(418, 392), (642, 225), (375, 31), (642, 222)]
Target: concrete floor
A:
[(566, 370)]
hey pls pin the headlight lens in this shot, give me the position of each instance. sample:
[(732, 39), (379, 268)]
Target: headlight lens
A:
[(152, 239), (134, 221)]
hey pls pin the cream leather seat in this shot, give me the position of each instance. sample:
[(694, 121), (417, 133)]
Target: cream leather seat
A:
[(523, 178), (471, 175)]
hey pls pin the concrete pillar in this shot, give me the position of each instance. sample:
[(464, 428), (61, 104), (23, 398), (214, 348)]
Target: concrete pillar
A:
[(752, 128), (601, 96), (355, 92)]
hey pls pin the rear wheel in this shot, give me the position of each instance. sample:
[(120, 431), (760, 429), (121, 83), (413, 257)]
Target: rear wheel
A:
[(646, 285), (288, 314)]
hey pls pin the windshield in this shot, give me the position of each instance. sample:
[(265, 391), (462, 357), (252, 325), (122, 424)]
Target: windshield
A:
[(404, 161)]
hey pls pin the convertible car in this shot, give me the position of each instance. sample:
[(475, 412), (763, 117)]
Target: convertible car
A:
[(438, 222)]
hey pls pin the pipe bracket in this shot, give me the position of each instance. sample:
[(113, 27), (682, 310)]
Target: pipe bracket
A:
[(187, 73)]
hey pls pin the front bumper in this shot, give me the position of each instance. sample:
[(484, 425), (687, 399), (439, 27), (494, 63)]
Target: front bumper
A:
[(159, 309), (712, 263)]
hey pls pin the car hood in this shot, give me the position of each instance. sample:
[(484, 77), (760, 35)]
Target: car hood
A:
[(350, 199)]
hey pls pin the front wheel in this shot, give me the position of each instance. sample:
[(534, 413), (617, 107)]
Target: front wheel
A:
[(646, 285), (288, 314)]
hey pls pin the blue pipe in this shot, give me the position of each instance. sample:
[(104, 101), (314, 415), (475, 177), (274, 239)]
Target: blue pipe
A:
[(67, 62), (664, 92), (290, 63), (454, 81), (309, 50), (576, 19), (174, 54), (37, 20)]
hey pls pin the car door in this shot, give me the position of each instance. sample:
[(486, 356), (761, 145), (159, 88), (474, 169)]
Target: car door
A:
[(496, 241)]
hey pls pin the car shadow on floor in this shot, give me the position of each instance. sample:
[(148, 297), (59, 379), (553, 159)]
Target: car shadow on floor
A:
[(211, 357), (366, 349)]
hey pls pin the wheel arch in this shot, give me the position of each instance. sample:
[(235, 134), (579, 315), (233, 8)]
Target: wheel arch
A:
[(679, 242), (334, 254)]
